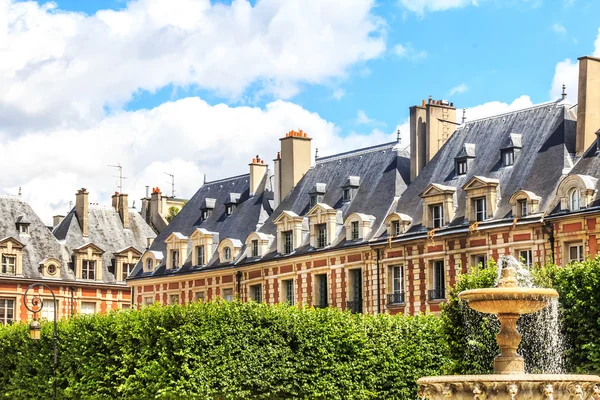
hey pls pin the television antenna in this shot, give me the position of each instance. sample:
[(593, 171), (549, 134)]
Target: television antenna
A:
[(172, 183), (121, 177)]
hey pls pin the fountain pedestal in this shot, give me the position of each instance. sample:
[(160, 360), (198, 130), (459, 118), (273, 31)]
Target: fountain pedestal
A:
[(510, 382)]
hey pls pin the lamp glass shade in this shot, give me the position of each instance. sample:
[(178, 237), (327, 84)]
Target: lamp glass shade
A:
[(35, 330)]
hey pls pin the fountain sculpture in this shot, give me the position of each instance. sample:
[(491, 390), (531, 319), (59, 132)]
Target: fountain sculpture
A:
[(509, 382)]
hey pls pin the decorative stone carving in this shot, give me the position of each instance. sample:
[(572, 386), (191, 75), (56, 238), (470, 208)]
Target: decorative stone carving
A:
[(448, 391), (479, 392), (576, 392), (547, 391), (512, 390), (596, 392)]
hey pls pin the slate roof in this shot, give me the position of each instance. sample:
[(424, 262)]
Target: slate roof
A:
[(547, 137), (106, 231), (249, 215), (383, 172), (39, 244)]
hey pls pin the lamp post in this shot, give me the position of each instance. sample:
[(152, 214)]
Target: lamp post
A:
[(35, 328)]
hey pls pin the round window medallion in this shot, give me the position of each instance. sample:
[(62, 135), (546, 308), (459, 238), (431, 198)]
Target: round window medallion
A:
[(51, 269)]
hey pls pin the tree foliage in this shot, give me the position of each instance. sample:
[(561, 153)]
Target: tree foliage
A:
[(221, 350)]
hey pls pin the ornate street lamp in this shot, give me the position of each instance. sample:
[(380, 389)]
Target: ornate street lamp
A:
[(35, 328)]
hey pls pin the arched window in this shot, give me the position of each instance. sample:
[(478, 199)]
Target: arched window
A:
[(149, 264), (574, 200), (227, 253)]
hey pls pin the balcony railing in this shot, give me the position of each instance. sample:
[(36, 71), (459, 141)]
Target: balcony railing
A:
[(437, 294), (396, 298), (355, 306)]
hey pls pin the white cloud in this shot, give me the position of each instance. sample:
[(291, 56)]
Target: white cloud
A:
[(338, 94), (422, 6), (559, 29), (63, 68), (363, 119), (409, 52), (493, 108), (567, 73), (462, 88)]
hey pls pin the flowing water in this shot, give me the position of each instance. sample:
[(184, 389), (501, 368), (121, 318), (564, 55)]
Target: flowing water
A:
[(542, 345)]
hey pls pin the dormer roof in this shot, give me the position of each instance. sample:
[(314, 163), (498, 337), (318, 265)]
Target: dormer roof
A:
[(208, 203), (467, 151), (352, 182), (513, 141), (318, 188), (435, 188), (233, 198)]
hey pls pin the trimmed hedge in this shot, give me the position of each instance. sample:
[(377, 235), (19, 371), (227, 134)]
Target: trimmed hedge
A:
[(221, 350)]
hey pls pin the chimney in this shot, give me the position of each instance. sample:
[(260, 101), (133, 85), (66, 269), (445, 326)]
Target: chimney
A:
[(57, 219), (277, 179), (81, 209), (123, 209), (431, 124), (295, 160), (588, 103), (258, 169), (115, 201), (149, 242)]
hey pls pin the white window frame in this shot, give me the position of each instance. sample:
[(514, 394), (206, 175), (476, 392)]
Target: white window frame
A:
[(396, 228), (288, 292), (526, 255), (9, 267), (199, 296), (87, 303), (255, 248), (227, 253), (355, 227), (574, 200), (149, 264), (397, 279), (479, 207), (200, 255), (522, 204), (508, 157), (437, 222), (288, 245), (48, 309), (87, 267), (228, 297), (256, 292), (579, 250), (127, 270), (174, 298), (7, 306), (174, 259), (321, 235), (461, 167)]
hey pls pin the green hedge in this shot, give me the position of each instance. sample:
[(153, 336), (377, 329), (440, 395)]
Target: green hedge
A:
[(223, 350)]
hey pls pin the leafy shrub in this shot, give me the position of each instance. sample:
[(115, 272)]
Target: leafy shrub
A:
[(224, 350)]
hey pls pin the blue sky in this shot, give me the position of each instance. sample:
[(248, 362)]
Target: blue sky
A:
[(194, 87), (497, 50)]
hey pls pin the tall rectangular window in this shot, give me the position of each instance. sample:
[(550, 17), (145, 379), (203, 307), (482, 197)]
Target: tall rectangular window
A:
[(7, 311), (526, 257), (174, 299), (88, 269), (354, 230), (200, 255), (288, 243), (256, 293), (228, 294), (523, 208), (321, 235), (508, 157), (174, 259), (347, 196), (48, 309), (480, 261), (199, 296), (397, 279), (479, 209), (321, 298), (9, 264), (438, 291), (87, 308), (255, 248), (437, 215), (148, 301), (461, 167), (396, 228), (127, 270), (575, 252), (288, 291)]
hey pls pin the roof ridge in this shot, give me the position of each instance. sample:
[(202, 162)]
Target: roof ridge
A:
[(226, 179), (518, 110), (355, 152)]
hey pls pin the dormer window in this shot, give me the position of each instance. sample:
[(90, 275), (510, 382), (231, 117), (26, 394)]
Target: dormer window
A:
[(574, 200), (512, 146), (355, 233), (9, 264), (23, 225), (461, 167), (174, 259), (479, 204), (227, 254), (523, 207), (437, 215), (231, 203), (149, 264), (321, 235), (207, 207), (317, 194), (508, 157), (350, 188), (255, 248), (200, 255), (396, 228), (288, 242)]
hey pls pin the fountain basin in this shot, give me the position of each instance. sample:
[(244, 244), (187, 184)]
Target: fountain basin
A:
[(508, 300), (510, 387)]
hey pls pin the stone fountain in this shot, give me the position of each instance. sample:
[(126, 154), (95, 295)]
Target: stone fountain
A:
[(509, 382)]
